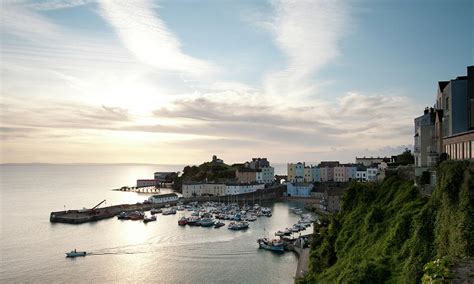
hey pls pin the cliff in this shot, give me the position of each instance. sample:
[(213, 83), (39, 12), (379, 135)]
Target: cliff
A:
[(389, 232)]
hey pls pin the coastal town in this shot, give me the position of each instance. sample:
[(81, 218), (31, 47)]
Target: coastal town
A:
[(215, 192), (268, 141)]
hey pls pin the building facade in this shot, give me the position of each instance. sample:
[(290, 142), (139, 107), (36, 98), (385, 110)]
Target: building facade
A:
[(449, 126), (240, 188), (425, 152), (147, 182), (295, 172), (268, 174), (161, 198), (368, 161), (299, 189), (219, 189), (245, 175)]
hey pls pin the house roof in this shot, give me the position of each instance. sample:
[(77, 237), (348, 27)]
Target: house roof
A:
[(442, 85), (248, 170), (165, 195)]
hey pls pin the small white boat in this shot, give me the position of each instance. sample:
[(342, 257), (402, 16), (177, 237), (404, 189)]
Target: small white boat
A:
[(75, 253), (149, 219), (156, 211), (238, 225)]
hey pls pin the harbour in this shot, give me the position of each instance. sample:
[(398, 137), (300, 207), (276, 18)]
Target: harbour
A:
[(78, 216), (123, 250)]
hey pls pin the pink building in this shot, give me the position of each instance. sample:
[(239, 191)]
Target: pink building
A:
[(340, 174), (327, 174)]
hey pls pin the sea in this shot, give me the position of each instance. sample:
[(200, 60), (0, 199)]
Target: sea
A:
[(32, 250)]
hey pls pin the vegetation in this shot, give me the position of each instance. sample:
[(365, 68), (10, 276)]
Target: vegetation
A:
[(209, 171), (405, 158), (388, 232), (437, 271)]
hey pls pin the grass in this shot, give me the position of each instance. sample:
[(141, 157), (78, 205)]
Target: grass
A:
[(389, 232)]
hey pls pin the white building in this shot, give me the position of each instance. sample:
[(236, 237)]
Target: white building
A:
[(361, 174), (199, 189), (191, 189), (219, 189), (161, 198), (372, 174), (240, 188), (366, 174)]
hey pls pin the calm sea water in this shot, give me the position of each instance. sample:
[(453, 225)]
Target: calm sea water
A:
[(32, 249)]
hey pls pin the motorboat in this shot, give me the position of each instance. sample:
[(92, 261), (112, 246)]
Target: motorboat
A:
[(294, 229), (155, 211), (206, 222), (279, 233), (252, 218), (122, 216), (183, 221), (219, 224), (193, 221), (149, 219), (238, 225), (272, 245), (75, 253), (136, 215), (169, 211)]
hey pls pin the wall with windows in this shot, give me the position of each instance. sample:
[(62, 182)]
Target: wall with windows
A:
[(460, 147)]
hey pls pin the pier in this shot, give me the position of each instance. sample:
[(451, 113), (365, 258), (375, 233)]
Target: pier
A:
[(303, 256), (144, 189)]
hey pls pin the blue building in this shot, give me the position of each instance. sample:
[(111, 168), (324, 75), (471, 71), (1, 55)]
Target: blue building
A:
[(299, 189), (453, 99)]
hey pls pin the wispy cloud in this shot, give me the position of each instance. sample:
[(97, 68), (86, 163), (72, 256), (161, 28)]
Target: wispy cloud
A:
[(56, 4), (148, 37), (308, 33), (25, 23)]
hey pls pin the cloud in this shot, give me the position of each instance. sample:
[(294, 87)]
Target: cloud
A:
[(56, 4), (308, 33), (148, 37), (26, 24)]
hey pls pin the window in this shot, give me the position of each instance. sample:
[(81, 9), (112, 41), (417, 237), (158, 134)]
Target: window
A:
[(472, 149), (447, 103), (467, 154)]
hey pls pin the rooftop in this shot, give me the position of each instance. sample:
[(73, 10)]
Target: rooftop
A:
[(165, 195)]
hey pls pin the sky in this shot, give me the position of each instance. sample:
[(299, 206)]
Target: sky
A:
[(175, 82)]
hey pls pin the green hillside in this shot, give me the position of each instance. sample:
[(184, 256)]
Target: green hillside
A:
[(209, 171), (388, 232)]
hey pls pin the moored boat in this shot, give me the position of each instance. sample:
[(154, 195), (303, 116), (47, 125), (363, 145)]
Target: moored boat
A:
[(183, 221), (169, 211), (122, 216), (192, 221), (136, 215), (155, 211), (149, 219), (252, 218), (238, 225), (219, 224), (206, 222), (272, 245), (279, 233)]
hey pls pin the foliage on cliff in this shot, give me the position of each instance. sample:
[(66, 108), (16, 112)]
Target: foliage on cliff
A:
[(388, 232), (209, 171)]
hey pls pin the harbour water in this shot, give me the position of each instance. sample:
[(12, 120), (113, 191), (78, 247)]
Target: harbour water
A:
[(32, 249)]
